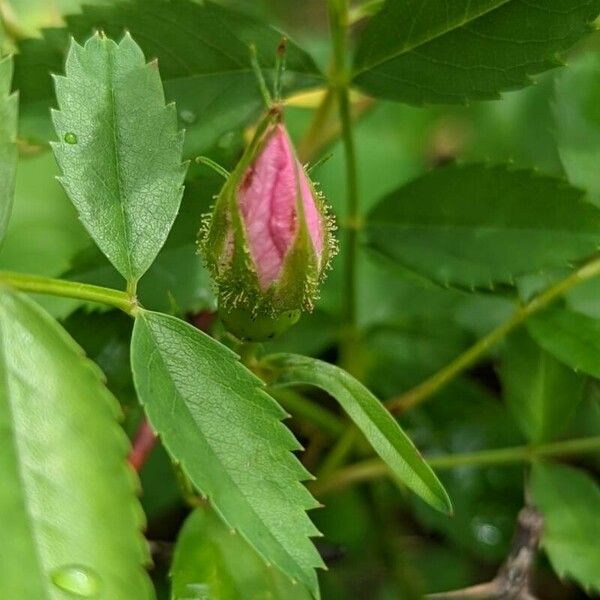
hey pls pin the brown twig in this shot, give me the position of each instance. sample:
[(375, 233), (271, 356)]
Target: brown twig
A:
[(142, 446), (513, 579)]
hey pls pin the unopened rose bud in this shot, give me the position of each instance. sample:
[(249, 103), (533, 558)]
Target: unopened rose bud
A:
[(269, 238)]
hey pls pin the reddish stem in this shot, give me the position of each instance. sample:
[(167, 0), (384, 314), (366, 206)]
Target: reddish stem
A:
[(142, 446)]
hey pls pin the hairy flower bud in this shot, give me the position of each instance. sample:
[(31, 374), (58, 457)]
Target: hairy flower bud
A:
[(269, 238)]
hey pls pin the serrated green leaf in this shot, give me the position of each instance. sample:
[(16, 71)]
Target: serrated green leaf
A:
[(572, 337), (215, 419), (119, 150), (475, 226), (8, 138), (569, 501), (62, 458), (577, 122), (204, 61), (434, 51), (370, 416), (210, 558), (540, 391)]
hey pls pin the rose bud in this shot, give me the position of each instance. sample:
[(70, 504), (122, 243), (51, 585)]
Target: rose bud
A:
[(269, 239)]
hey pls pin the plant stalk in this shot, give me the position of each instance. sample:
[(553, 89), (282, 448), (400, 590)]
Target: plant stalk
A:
[(70, 289), (305, 408), (375, 468), (433, 384), (340, 82)]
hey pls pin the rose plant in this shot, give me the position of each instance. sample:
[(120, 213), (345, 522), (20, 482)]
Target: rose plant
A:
[(304, 314)]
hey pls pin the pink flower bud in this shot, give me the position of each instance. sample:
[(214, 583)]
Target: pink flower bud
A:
[(269, 238), (268, 198)]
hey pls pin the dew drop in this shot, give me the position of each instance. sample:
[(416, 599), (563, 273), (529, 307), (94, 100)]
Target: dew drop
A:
[(78, 580), (70, 138), (187, 116)]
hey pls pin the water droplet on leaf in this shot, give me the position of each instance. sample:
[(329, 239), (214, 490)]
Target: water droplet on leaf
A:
[(77, 580), (70, 138), (187, 116)]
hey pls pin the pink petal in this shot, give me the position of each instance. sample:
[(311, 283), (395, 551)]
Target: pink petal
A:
[(267, 198)]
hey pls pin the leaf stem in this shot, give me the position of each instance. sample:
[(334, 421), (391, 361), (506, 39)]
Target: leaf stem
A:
[(70, 289), (375, 468), (340, 451), (247, 352), (131, 288), (433, 384), (338, 17)]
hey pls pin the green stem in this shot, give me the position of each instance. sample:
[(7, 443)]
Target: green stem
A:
[(304, 408), (349, 354), (131, 289), (340, 79), (427, 388), (376, 468), (70, 289), (340, 452), (353, 210), (247, 352)]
